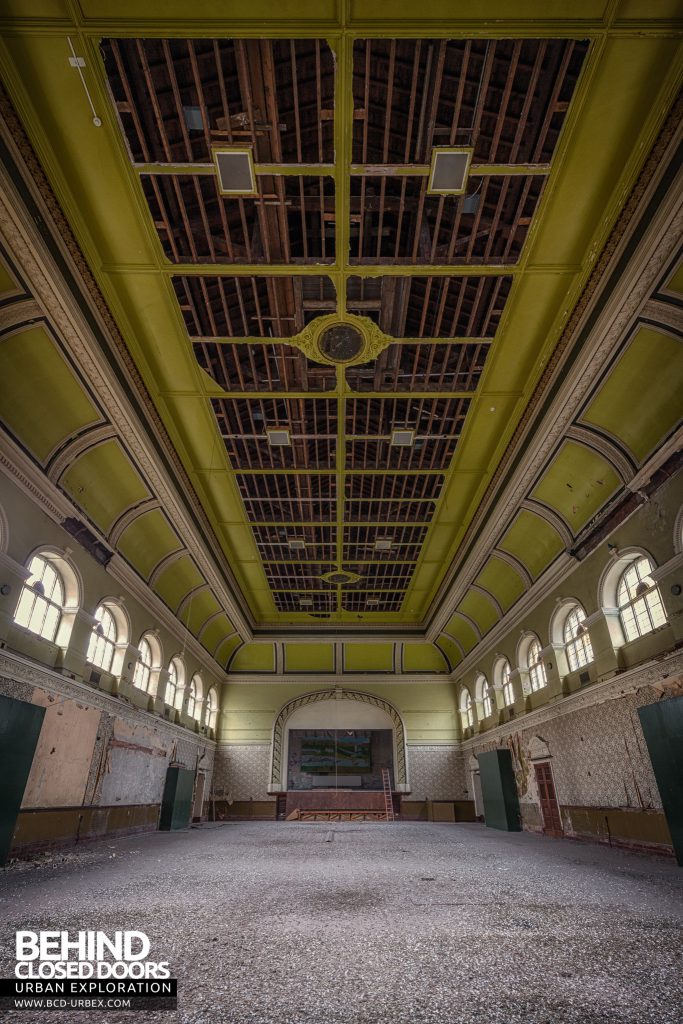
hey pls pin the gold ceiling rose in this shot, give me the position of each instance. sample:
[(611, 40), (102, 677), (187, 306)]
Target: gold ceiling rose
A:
[(341, 577), (341, 339)]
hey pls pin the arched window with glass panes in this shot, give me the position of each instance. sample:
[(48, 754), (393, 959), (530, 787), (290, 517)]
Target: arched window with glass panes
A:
[(506, 685), (175, 686), (211, 709), (143, 668), (466, 709), (483, 696), (577, 641), (42, 599), (640, 605), (194, 700), (537, 676), (103, 639)]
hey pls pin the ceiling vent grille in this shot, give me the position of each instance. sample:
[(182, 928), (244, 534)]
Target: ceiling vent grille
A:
[(235, 172), (448, 173)]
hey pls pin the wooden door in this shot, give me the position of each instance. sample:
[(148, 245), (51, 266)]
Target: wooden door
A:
[(552, 822)]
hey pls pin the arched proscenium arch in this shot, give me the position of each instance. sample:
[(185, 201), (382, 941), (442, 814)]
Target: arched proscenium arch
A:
[(277, 783)]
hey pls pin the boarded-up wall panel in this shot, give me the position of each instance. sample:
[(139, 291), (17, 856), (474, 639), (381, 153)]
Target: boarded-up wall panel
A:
[(61, 764)]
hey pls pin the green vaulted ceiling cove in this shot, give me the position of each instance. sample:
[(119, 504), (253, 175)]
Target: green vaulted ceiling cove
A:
[(338, 353)]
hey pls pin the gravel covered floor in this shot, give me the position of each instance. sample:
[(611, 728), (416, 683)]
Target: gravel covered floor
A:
[(373, 924)]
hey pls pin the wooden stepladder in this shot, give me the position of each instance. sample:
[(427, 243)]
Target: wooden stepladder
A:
[(388, 802)]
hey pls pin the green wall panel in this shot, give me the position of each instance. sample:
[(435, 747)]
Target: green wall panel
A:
[(368, 657), (499, 790), (176, 803), (423, 658), (254, 657), (309, 657), (662, 726), (20, 724)]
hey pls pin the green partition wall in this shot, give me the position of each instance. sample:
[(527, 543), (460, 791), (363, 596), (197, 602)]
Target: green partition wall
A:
[(662, 726), (499, 790), (20, 725), (176, 804)]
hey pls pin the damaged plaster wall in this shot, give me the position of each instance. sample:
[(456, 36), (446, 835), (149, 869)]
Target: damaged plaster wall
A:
[(96, 750), (135, 765), (598, 756)]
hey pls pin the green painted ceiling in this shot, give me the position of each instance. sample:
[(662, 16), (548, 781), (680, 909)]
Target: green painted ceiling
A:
[(629, 77)]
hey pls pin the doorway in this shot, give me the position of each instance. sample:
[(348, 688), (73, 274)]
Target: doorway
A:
[(550, 809)]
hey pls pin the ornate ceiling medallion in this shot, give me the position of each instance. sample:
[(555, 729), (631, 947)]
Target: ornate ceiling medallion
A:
[(341, 577), (341, 339)]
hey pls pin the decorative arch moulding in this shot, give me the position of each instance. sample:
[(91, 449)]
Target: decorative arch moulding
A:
[(277, 783)]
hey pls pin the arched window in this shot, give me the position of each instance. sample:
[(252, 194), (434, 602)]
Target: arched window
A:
[(42, 599), (506, 685), (466, 709), (483, 696), (148, 666), (175, 687), (638, 599), (195, 698), (577, 641), (103, 639), (537, 676), (211, 709), (143, 669)]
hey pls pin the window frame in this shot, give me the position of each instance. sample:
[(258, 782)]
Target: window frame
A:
[(538, 679), (101, 638), (176, 664), (143, 667), (483, 696), (40, 599), (211, 708), (577, 645), (466, 708), (194, 699), (639, 605), (506, 684)]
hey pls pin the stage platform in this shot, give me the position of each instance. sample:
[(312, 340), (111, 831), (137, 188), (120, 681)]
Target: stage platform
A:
[(334, 800)]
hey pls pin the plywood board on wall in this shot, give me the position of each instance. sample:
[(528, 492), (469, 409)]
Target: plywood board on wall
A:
[(61, 763)]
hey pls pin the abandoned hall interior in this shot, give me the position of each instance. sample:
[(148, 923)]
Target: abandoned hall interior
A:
[(341, 382)]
